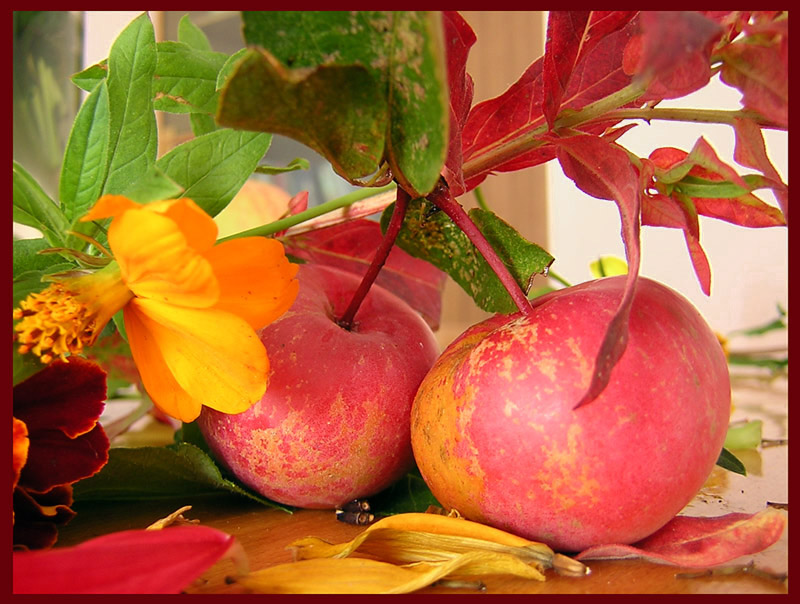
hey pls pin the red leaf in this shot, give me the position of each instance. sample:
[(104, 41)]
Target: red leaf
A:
[(603, 170), (662, 211), (700, 542), (459, 38), (746, 210), (750, 151), (760, 70), (674, 48), (127, 562), (566, 30), (350, 246), (570, 36), (515, 113)]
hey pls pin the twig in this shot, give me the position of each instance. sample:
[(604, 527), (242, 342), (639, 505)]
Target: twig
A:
[(378, 260)]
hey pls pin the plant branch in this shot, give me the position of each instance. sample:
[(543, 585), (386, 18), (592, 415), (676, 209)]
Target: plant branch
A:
[(329, 206), (378, 260), (680, 114), (516, 144), (442, 198)]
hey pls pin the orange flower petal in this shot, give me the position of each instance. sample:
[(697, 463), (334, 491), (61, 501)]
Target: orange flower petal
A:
[(156, 261), (157, 379), (198, 227), (257, 281), (215, 356), (109, 206)]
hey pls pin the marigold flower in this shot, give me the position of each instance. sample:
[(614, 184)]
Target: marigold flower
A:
[(57, 441), (191, 308)]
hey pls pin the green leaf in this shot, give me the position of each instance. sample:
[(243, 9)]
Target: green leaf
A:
[(132, 122), (730, 462), (409, 494), (85, 164), (89, 78), (707, 189), (403, 52), (193, 36), (202, 124), (744, 436), (419, 101), (213, 167), (26, 256), (142, 473), (186, 78), (298, 163), (34, 208), (429, 234), (152, 186), (338, 111), (189, 432)]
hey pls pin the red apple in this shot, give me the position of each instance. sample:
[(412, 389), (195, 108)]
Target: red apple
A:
[(334, 424), (496, 435)]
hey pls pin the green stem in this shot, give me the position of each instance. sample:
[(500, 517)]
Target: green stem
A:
[(480, 199), (679, 114), (329, 206), (559, 279)]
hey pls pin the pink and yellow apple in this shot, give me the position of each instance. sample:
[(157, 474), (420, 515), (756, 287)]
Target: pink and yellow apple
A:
[(496, 436), (334, 424)]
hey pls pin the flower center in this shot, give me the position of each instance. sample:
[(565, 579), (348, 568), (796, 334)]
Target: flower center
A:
[(69, 314)]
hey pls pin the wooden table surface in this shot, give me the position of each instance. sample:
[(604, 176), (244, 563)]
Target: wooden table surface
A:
[(265, 532)]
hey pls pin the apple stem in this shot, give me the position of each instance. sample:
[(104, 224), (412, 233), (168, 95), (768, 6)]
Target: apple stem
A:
[(346, 321), (445, 201)]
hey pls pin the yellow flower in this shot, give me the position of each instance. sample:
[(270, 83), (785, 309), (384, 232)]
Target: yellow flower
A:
[(191, 308)]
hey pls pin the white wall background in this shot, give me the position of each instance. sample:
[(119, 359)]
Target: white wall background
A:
[(749, 266)]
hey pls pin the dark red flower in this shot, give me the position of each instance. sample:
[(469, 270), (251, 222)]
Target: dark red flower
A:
[(57, 441)]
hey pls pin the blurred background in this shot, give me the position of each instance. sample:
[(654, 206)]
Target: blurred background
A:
[(749, 266)]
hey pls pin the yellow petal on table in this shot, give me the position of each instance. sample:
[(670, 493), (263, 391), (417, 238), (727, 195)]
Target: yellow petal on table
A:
[(366, 576), (156, 261), (257, 282), (215, 356), (160, 384), (404, 547)]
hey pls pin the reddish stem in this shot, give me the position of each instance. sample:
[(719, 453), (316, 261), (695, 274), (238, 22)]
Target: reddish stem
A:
[(378, 260), (442, 198)]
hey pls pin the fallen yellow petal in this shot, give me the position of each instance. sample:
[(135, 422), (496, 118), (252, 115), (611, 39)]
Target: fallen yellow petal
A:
[(415, 537), (175, 518), (366, 576)]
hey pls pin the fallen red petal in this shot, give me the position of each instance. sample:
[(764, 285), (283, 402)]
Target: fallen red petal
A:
[(127, 562), (700, 542)]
